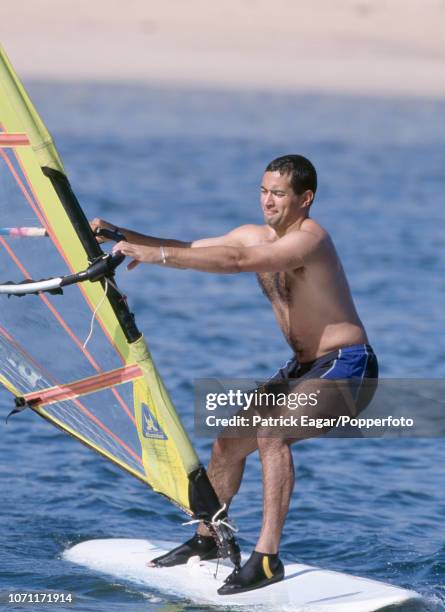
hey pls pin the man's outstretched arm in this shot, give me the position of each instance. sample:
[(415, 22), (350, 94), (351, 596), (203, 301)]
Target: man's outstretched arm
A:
[(232, 238)]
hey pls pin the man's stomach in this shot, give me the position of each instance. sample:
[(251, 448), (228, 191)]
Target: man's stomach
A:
[(310, 343)]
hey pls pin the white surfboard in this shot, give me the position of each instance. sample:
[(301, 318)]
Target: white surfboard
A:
[(305, 588)]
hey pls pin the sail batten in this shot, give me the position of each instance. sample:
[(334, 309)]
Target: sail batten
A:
[(14, 140), (85, 386)]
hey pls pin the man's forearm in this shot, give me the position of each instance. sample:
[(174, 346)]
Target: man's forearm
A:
[(137, 238)]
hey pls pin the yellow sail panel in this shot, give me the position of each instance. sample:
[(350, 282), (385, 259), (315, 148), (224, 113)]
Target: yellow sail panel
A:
[(42, 337), (166, 450), (19, 100)]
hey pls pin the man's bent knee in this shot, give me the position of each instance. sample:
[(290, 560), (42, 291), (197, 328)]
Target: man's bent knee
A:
[(233, 449)]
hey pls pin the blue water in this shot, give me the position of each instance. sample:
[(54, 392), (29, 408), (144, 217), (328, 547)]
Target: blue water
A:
[(186, 165)]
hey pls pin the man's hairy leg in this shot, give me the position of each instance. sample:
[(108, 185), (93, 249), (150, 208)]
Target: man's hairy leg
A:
[(226, 468), (276, 456), (278, 483)]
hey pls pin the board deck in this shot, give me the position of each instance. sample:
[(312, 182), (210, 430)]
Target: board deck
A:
[(305, 588)]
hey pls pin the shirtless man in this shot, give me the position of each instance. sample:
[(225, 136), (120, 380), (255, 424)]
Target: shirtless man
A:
[(300, 272)]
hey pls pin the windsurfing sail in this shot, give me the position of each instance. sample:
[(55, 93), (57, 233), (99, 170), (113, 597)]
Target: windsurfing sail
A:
[(107, 394)]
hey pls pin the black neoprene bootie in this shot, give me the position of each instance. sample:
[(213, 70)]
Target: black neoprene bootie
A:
[(260, 570), (203, 546)]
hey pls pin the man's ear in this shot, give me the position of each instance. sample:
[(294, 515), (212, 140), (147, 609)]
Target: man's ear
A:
[(308, 198)]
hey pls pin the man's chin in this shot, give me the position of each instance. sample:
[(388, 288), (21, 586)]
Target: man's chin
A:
[(270, 221)]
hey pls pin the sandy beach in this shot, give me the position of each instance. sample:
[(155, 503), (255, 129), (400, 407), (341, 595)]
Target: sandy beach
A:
[(381, 47)]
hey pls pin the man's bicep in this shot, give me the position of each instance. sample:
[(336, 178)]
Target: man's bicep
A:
[(208, 242), (236, 237)]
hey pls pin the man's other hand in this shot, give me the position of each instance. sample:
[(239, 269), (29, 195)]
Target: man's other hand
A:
[(96, 224)]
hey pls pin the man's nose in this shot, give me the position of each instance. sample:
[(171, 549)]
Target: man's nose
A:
[(268, 198)]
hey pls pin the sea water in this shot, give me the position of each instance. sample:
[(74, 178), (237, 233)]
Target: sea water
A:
[(187, 164)]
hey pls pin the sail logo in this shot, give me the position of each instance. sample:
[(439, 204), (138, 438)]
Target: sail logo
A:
[(150, 426)]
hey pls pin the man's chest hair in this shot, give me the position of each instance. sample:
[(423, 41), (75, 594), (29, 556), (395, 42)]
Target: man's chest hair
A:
[(276, 286)]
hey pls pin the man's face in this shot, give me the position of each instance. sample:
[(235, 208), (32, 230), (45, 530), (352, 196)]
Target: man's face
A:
[(278, 200)]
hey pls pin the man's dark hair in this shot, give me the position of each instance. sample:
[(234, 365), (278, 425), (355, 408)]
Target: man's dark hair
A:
[(302, 173)]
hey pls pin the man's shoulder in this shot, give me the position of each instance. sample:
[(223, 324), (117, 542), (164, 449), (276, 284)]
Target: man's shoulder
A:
[(313, 228), (316, 237), (311, 241)]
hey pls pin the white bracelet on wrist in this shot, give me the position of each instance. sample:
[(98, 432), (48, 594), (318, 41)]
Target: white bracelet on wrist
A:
[(163, 255)]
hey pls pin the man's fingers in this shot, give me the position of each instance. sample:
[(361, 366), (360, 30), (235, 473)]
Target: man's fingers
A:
[(122, 247), (97, 224), (133, 263)]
